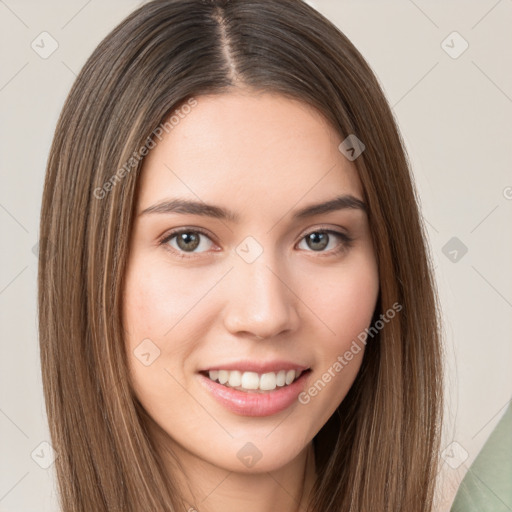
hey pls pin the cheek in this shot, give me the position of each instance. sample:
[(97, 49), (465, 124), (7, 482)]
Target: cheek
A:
[(156, 300), (154, 303), (345, 304), (344, 299), (166, 314), (152, 306)]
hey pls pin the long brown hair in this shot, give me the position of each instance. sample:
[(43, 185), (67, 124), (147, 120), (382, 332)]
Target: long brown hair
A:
[(378, 452)]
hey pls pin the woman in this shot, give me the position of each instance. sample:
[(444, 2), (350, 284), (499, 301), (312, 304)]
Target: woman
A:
[(237, 309)]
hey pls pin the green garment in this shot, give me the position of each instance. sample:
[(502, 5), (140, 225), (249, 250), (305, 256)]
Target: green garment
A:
[(487, 486)]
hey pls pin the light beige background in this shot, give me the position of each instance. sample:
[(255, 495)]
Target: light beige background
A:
[(455, 115)]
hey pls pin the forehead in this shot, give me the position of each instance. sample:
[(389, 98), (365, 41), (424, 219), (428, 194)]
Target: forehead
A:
[(246, 149)]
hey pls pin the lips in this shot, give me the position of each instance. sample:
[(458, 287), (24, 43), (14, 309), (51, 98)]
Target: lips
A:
[(255, 402)]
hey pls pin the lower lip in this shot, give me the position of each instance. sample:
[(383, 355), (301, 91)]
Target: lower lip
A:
[(256, 404)]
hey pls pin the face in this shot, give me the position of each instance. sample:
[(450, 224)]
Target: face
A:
[(249, 283)]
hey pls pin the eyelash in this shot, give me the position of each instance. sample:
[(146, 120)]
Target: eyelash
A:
[(346, 241)]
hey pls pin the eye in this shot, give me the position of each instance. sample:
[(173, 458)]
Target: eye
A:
[(321, 239), (187, 241)]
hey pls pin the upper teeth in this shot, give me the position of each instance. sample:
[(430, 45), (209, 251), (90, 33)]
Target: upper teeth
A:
[(253, 380)]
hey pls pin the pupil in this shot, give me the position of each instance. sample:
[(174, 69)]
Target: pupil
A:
[(318, 238), (188, 241)]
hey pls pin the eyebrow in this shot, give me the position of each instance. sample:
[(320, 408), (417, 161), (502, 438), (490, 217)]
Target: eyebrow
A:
[(186, 206)]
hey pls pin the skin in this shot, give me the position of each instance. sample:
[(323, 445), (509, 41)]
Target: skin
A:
[(262, 156)]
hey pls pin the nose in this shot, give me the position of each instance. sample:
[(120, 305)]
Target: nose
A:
[(260, 301)]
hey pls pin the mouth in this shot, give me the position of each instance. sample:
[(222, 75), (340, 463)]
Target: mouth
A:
[(254, 382), (249, 393)]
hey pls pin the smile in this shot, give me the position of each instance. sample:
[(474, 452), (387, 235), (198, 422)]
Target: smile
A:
[(250, 393)]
